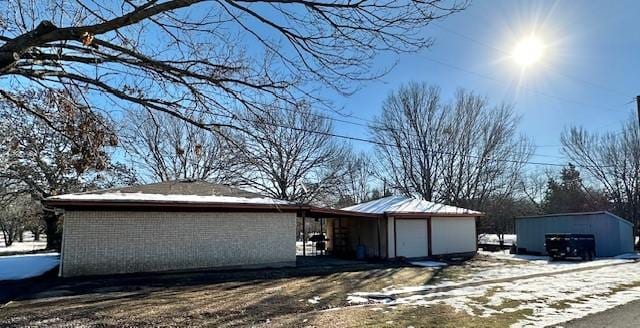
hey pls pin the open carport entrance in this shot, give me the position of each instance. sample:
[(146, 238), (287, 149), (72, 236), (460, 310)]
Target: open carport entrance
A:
[(348, 235)]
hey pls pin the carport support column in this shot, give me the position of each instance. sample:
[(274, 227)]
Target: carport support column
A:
[(429, 252), (304, 235), (378, 232)]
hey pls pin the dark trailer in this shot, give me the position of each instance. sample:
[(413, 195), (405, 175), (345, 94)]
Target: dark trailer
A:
[(564, 245), (613, 234)]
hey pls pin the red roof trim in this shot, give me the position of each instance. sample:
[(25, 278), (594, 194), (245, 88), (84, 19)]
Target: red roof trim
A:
[(312, 211)]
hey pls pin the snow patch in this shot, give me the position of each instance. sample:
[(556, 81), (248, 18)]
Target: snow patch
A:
[(429, 264), (351, 299), (492, 239), (27, 245), (27, 266), (554, 298), (628, 256)]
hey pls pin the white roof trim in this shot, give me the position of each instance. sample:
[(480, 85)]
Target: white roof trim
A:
[(142, 197)]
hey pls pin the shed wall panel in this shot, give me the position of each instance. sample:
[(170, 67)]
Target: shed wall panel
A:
[(612, 234), (105, 242)]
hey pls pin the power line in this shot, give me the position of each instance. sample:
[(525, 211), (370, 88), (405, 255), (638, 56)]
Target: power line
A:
[(380, 143), (373, 124)]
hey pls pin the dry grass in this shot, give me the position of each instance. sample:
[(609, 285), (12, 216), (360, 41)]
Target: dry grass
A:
[(273, 298), (399, 316), (224, 304)]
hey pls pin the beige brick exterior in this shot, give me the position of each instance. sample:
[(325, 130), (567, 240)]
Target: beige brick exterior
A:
[(106, 242)]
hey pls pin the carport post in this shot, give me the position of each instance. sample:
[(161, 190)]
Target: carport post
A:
[(304, 236), (378, 231)]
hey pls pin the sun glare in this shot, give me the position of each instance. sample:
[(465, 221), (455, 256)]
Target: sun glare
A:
[(528, 51)]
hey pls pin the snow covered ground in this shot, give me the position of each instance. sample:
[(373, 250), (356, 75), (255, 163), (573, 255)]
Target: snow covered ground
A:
[(16, 267), (557, 296), (429, 264), (27, 245), (310, 251), (494, 240)]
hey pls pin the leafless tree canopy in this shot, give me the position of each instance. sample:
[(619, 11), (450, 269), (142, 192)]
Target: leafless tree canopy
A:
[(613, 159), (290, 154), (16, 215), (185, 56), (165, 148), (459, 153), (357, 183)]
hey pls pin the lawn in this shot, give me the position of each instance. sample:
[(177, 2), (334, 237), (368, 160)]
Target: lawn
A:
[(206, 299), (479, 293)]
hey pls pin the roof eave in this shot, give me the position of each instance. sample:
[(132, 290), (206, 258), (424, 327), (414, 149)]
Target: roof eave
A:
[(432, 214), (148, 204)]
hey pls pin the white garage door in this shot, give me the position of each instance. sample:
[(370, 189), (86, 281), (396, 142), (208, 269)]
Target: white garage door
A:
[(411, 238), (453, 235)]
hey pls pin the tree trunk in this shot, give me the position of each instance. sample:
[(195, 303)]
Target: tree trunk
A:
[(53, 230), (8, 238), (36, 235)]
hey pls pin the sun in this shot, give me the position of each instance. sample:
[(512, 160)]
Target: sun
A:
[(528, 51)]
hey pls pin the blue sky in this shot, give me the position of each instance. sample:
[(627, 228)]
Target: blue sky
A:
[(587, 75)]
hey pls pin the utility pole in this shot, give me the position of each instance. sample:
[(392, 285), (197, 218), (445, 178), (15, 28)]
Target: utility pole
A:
[(638, 108), (637, 232)]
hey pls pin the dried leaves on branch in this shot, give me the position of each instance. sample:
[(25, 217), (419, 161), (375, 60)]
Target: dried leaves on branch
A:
[(181, 56), (67, 151)]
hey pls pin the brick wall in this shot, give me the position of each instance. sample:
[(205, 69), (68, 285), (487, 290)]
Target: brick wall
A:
[(102, 242)]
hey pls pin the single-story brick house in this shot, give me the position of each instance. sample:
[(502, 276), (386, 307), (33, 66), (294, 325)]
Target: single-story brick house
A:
[(168, 226), (190, 225)]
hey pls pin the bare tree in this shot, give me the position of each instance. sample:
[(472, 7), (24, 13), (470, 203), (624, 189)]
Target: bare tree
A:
[(186, 56), (356, 184), (533, 187), (290, 154), (459, 153), (613, 159), (15, 215), (165, 148)]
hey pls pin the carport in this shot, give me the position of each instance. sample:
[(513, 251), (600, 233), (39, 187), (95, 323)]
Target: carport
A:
[(398, 227), (345, 230)]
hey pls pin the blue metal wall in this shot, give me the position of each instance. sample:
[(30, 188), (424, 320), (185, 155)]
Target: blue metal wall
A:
[(613, 234)]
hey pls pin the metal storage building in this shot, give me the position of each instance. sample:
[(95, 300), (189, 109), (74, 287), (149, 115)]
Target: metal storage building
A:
[(613, 234)]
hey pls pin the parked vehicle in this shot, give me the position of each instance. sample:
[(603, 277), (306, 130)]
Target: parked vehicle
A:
[(564, 245)]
